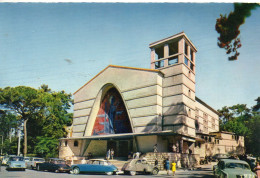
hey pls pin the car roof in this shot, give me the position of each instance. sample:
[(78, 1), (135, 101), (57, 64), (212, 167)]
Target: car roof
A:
[(233, 161), (97, 160)]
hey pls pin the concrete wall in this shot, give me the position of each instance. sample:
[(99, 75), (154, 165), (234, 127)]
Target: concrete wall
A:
[(69, 150), (208, 119), (179, 99), (141, 91)]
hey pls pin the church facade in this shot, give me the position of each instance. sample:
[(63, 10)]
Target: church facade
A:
[(132, 109)]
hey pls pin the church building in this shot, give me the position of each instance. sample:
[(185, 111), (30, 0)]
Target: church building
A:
[(132, 109)]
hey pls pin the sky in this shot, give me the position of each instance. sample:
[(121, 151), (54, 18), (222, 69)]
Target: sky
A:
[(64, 45)]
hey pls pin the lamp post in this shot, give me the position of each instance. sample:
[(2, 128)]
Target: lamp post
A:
[(2, 144)]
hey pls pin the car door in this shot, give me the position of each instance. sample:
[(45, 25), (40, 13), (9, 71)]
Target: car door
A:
[(219, 168), (139, 166), (91, 166)]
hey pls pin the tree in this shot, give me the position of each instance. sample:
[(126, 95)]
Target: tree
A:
[(47, 147), (8, 121), (24, 102), (228, 28), (245, 122), (43, 112), (256, 108)]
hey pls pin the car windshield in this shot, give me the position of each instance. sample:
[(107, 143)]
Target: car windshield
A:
[(237, 165), (59, 162), (16, 159), (38, 159), (97, 162)]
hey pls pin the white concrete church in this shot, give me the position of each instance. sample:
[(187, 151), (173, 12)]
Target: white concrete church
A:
[(132, 109)]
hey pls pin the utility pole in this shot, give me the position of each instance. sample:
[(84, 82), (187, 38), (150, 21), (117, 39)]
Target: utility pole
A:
[(19, 144), (2, 144)]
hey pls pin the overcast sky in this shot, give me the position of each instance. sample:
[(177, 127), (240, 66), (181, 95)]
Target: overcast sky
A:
[(64, 45)]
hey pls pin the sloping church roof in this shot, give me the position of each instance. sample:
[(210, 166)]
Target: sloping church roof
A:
[(122, 67)]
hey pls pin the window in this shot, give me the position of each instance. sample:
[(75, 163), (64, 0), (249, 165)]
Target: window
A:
[(186, 49), (173, 48), (159, 64), (186, 61), (189, 93), (159, 52), (76, 143), (173, 60), (191, 66), (197, 124), (191, 55), (66, 143)]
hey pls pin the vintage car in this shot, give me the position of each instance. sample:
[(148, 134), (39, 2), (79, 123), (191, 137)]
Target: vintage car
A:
[(31, 164), (94, 166), (231, 168), (219, 156), (16, 163), (139, 166), (5, 160), (53, 164)]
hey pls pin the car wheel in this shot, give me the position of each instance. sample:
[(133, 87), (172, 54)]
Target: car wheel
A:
[(109, 173), (132, 173), (57, 171), (155, 171), (76, 170)]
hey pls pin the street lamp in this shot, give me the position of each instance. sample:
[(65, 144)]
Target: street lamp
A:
[(2, 144)]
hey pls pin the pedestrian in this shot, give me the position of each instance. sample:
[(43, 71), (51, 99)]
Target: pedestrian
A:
[(156, 162), (174, 148), (167, 166), (257, 170), (137, 155), (173, 167), (112, 153), (108, 155), (155, 150)]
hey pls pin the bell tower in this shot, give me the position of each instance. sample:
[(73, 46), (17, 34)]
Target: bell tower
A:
[(175, 58)]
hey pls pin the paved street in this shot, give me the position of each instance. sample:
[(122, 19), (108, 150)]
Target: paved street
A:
[(204, 172)]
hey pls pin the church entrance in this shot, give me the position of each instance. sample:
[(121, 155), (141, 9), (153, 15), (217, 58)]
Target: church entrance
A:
[(120, 147)]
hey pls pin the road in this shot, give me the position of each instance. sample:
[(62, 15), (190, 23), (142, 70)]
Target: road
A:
[(204, 172)]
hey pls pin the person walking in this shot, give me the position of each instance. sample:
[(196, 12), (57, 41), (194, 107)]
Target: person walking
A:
[(257, 170), (108, 154), (112, 153), (156, 162), (167, 165), (173, 167), (155, 150)]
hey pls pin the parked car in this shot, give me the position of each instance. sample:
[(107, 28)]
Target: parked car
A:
[(26, 159), (231, 168), (217, 157), (53, 164), (31, 164), (139, 166), (5, 160), (16, 163), (94, 166)]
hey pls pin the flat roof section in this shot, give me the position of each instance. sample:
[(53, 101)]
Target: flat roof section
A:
[(178, 35)]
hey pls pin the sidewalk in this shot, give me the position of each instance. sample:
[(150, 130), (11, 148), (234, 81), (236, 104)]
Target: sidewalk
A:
[(206, 167)]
